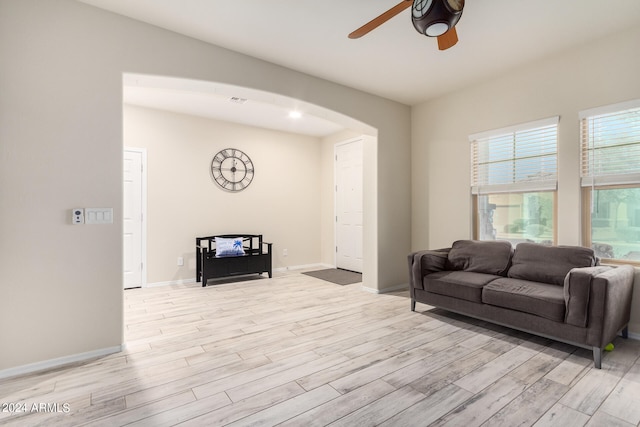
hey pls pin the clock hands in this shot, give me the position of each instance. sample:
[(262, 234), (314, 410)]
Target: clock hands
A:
[(233, 169), (234, 166), (233, 172)]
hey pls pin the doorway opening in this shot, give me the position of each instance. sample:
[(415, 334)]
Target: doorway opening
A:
[(134, 217), (174, 95), (349, 230)]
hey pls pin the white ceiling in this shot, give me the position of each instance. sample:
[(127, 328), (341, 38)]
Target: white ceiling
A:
[(393, 61)]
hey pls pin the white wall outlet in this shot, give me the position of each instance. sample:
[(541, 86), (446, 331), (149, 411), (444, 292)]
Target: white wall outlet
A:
[(285, 252), (180, 261), (77, 216)]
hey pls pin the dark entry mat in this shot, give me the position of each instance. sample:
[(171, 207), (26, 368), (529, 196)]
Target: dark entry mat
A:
[(336, 275)]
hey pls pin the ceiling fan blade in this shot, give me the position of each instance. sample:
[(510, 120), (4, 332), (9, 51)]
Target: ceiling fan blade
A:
[(376, 22), (448, 39)]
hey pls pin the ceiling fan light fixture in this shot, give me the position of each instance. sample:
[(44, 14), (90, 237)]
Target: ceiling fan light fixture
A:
[(435, 17), (436, 29)]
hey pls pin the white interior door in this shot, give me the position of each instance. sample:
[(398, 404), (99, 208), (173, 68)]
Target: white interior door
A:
[(133, 218), (349, 202)]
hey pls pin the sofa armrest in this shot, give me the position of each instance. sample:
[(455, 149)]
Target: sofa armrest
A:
[(577, 290), (424, 262), (618, 284), (599, 298)]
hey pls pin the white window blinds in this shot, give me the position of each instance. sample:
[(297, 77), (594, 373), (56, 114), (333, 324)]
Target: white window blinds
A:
[(520, 158), (610, 145)]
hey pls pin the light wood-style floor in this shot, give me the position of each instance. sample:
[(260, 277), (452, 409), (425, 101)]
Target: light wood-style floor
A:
[(297, 351)]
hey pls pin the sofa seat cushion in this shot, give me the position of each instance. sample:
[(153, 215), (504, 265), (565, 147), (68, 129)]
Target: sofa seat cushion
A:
[(458, 284), (540, 299)]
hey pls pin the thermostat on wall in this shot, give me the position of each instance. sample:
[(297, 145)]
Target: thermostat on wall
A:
[(77, 216)]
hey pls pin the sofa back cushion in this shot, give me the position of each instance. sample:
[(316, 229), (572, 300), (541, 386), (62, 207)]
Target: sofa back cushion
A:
[(489, 257), (548, 264)]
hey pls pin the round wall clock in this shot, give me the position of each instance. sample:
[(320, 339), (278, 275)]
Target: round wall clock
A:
[(232, 169)]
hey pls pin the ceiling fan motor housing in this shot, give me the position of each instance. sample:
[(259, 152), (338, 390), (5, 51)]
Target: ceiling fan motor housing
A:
[(435, 17)]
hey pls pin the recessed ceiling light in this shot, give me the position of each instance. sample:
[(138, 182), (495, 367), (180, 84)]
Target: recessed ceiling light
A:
[(295, 114)]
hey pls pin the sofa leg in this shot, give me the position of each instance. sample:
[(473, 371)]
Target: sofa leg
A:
[(597, 357), (413, 304), (625, 332)]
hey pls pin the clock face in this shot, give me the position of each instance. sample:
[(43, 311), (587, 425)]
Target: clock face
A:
[(232, 169)]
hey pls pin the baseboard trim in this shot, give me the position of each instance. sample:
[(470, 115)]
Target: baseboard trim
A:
[(171, 282), (400, 287), (58, 362), (302, 267)]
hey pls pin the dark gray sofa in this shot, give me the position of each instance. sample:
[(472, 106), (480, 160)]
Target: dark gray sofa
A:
[(558, 292)]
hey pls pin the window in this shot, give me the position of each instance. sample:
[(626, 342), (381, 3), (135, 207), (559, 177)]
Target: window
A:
[(514, 182), (610, 177)]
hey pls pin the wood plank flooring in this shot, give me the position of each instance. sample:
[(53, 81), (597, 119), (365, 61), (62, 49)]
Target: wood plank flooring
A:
[(298, 351)]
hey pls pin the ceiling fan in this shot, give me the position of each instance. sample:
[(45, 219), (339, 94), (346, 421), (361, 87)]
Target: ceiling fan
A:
[(433, 18)]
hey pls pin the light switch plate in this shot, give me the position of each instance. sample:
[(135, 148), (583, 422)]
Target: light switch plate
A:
[(98, 215)]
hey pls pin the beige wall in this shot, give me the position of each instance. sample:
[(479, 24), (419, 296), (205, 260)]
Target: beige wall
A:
[(282, 203), (598, 73), (61, 147)]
